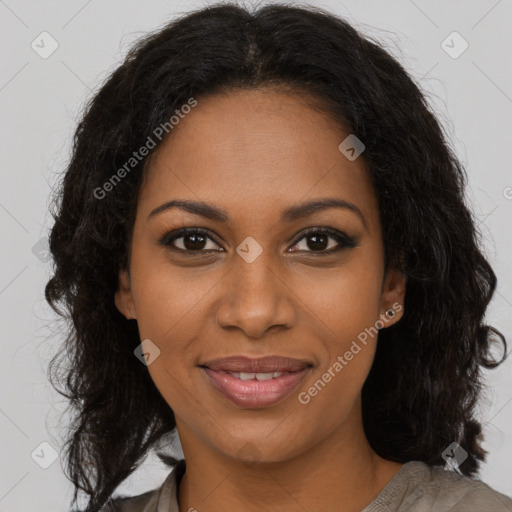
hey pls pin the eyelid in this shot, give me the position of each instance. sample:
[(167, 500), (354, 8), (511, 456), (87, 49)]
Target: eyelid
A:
[(343, 240), (169, 237)]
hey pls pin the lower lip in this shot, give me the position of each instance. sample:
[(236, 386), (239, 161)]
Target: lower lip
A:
[(255, 393)]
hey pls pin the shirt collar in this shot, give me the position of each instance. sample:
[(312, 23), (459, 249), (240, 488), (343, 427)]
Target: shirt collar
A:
[(168, 495)]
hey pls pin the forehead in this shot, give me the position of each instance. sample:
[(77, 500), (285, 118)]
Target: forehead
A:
[(253, 151)]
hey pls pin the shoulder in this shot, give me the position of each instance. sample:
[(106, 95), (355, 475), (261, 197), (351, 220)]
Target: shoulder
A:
[(466, 494), (447, 491), (161, 498), (145, 502)]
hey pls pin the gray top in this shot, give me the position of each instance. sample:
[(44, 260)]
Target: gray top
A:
[(416, 487)]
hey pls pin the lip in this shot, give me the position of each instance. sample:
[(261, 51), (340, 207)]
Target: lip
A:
[(255, 394), (272, 363)]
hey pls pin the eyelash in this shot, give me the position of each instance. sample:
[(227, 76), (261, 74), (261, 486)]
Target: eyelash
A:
[(343, 240)]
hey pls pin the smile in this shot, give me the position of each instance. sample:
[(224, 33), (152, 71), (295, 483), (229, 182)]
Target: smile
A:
[(255, 390)]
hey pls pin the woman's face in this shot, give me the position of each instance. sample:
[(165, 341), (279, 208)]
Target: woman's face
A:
[(253, 283)]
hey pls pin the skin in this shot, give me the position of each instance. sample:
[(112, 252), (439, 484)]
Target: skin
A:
[(255, 153)]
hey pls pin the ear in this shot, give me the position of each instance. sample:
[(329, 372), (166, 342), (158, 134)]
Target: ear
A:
[(393, 296), (123, 297)]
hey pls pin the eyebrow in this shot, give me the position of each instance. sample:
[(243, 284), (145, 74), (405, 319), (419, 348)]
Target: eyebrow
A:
[(291, 214)]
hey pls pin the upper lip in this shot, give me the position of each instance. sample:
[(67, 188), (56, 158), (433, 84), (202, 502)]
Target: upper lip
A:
[(259, 365)]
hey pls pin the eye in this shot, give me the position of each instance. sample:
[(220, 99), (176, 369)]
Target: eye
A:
[(314, 240), (190, 240), (319, 240)]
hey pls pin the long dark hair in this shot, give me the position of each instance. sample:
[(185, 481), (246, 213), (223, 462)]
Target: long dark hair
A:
[(426, 377)]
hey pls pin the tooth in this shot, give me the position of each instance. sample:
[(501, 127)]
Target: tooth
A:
[(257, 376), (264, 376), (247, 376)]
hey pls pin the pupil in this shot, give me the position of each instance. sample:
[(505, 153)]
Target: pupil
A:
[(319, 242), (196, 240)]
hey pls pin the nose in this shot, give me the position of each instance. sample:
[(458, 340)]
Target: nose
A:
[(255, 298)]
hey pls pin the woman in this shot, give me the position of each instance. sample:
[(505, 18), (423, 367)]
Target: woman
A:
[(262, 243)]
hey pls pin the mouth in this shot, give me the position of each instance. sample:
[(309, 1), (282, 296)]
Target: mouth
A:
[(267, 364), (255, 383)]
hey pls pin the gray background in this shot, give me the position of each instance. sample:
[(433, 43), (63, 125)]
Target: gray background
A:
[(40, 100)]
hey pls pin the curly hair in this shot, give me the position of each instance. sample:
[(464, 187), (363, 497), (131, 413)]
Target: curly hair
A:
[(426, 377)]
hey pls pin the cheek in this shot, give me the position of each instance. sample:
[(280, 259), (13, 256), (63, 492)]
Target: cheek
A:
[(347, 352), (169, 300), (171, 312), (175, 328), (346, 299), (345, 308)]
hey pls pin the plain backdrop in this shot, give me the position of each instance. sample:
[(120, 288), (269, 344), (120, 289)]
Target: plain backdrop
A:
[(40, 99)]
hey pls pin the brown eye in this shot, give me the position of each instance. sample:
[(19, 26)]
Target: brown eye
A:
[(193, 241), (318, 242), (324, 241), (190, 240)]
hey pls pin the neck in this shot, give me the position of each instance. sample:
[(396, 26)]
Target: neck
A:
[(340, 470)]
